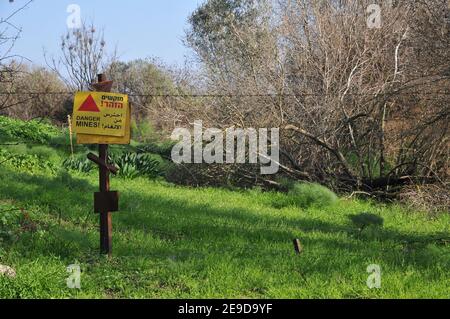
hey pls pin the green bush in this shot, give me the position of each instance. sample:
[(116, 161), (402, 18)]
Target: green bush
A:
[(9, 224), (30, 163), (26, 131), (46, 153), (130, 164), (133, 164), (311, 195), (79, 163)]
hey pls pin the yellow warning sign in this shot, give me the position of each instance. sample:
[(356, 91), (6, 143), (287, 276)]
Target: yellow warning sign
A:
[(103, 139), (100, 113)]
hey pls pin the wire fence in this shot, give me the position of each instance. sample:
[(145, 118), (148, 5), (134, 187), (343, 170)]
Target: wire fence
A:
[(232, 95)]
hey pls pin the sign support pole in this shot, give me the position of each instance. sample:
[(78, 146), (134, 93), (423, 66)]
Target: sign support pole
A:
[(105, 216)]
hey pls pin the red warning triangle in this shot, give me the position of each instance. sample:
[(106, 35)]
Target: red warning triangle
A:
[(89, 105)]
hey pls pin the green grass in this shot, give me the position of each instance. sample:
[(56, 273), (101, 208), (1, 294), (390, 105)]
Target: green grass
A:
[(176, 242)]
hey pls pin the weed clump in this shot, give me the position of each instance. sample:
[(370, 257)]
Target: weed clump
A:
[(306, 195)]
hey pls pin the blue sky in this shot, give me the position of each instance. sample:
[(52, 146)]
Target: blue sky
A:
[(139, 28)]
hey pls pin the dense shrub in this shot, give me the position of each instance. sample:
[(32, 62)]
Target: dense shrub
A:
[(30, 163), (46, 153), (78, 163), (9, 220), (133, 164), (309, 194), (130, 164), (31, 131)]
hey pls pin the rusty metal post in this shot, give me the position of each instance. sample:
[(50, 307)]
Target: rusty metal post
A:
[(298, 246), (105, 217)]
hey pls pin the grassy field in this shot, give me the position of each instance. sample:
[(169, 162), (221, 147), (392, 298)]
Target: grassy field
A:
[(171, 242)]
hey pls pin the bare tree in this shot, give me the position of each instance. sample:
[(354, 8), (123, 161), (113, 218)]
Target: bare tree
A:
[(83, 56), (10, 63), (9, 33)]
